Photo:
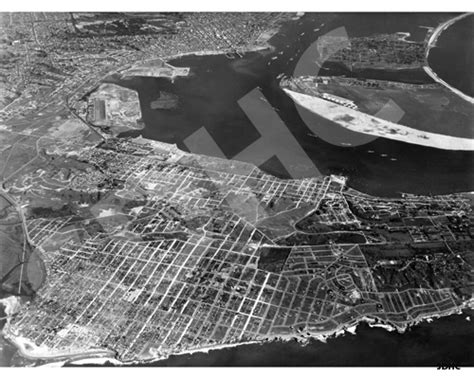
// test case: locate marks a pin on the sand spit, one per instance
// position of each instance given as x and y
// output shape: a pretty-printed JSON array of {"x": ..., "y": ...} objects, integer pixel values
[
  {"x": 432, "y": 43},
  {"x": 363, "y": 123}
]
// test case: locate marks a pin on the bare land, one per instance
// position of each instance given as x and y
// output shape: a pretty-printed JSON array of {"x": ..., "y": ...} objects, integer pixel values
[{"x": 364, "y": 123}]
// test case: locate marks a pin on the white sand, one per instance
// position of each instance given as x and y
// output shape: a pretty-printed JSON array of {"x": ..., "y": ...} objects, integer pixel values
[{"x": 367, "y": 124}]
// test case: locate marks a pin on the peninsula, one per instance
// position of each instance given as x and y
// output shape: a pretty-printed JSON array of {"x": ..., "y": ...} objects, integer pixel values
[
  {"x": 431, "y": 43},
  {"x": 155, "y": 275},
  {"x": 360, "y": 122}
]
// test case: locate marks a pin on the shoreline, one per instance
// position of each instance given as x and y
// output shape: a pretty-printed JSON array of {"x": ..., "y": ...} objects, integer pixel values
[
  {"x": 432, "y": 43},
  {"x": 9, "y": 336},
  {"x": 28, "y": 350},
  {"x": 113, "y": 130},
  {"x": 360, "y": 122},
  {"x": 102, "y": 356},
  {"x": 82, "y": 90},
  {"x": 340, "y": 331},
  {"x": 252, "y": 49}
]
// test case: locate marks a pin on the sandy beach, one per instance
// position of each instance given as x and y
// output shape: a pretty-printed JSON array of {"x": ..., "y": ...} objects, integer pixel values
[
  {"x": 363, "y": 123},
  {"x": 432, "y": 43}
]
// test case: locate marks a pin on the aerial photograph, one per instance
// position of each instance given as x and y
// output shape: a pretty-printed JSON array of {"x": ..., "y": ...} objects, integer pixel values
[{"x": 236, "y": 189}]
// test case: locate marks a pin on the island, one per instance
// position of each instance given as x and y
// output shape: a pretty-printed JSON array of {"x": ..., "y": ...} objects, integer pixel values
[
  {"x": 380, "y": 51},
  {"x": 165, "y": 100}
]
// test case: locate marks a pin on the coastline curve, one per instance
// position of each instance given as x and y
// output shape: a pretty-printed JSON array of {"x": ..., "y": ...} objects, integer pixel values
[{"x": 432, "y": 43}]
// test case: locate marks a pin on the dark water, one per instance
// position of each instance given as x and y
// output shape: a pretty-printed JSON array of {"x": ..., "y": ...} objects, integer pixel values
[
  {"x": 209, "y": 98},
  {"x": 455, "y": 46},
  {"x": 445, "y": 340}
]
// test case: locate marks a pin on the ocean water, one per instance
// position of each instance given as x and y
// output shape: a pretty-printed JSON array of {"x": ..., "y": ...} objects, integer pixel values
[
  {"x": 447, "y": 340},
  {"x": 453, "y": 57}
]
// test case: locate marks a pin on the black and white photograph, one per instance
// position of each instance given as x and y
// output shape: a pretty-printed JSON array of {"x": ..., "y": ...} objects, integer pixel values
[{"x": 186, "y": 186}]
